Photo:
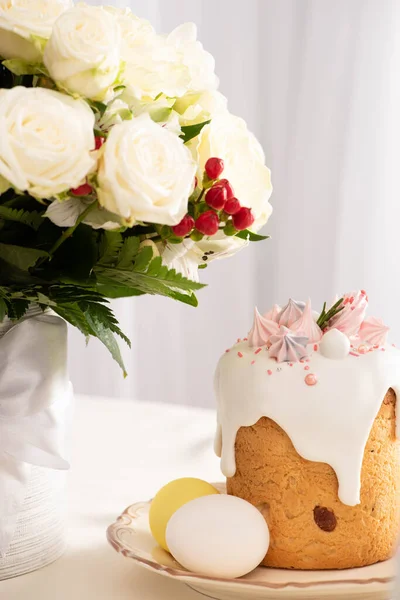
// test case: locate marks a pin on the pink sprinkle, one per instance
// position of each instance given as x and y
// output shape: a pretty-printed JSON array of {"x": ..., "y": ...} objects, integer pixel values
[
  {"x": 302, "y": 360},
  {"x": 307, "y": 360},
  {"x": 354, "y": 354},
  {"x": 307, "y": 368},
  {"x": 228, "y": 350},
  {"x": 394, "y": 345},
  {"x": 310, "y": 379},
  {"x": 376, "y": 346},
  {"x": 240, "y": 355},
  {"x": 315, "y": 347},
  {"x": 245, "y": 339},
  {"x": 252, "y": 362},
  {"x": 362, "y": 349},
  {"x": 239, "y": 340},
  {"x": 383, "y": 349},
  {"x": 257, "y": 351},
  {"x": 269, "y": 372},
  {"x": 290, "y": 364}
]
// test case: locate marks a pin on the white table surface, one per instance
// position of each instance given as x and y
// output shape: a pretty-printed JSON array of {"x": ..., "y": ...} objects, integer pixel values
[{"x": 123, "y": 452}]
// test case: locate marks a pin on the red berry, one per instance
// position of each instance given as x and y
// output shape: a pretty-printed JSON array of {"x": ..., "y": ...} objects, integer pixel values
[
  {"x": 232, "y": 206},
  {"x": 207, "y": 223},
  {"x": 99, "y": 141},
  {"x": 83, "y": 190},
  {"x": 216, "y": 197},
  {"x": 243, "y": 219},
  {"x": 229, "y": 189},
  {"x": 214, "y": 167},
  {"x": 184, "y": 227}
]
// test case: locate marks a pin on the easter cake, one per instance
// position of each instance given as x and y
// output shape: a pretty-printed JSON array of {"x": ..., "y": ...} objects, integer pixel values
[{"x": 307, "y": 433}]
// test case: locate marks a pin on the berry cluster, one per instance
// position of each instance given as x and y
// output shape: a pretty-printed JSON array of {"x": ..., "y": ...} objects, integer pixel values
[{"x": 219, "y": 209}]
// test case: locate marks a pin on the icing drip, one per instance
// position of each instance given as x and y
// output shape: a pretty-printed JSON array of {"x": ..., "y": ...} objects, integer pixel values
[
  {"x": 328, "y": 422},
  {"x": 262, "y": 330},
  {"x": 290, "y": 313},
  {"x": 306, "y": 324},
  {"x": 373, "y": 331},
  {"x": 349, "y": 319},
  {"x": 287, "y": 346}
]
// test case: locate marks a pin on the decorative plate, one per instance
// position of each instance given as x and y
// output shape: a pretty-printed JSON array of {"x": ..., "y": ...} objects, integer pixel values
[{"x": 130, "y": 535}]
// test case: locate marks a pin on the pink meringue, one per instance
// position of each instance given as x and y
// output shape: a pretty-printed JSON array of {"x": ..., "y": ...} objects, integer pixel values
[
  {"x": 287, "y": 346},
  {"x": 273, "y": 314},
  {"x": 290, "y": 313},
  {"x": 349, "y": 319},
  {"x": 373, "y": 331},
  {"x": 307, "y": 325},
  {"x": 262, "y": 330}
]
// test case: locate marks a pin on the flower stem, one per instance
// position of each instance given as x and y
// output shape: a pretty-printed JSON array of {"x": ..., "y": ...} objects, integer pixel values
[{"x": 68, "y": 232}]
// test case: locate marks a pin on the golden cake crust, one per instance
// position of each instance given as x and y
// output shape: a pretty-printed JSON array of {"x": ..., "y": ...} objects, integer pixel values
[{"x": 310, "y": 528}]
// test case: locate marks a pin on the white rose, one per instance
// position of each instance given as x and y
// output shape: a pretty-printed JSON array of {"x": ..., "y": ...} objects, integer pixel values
[
  {"x": 83, "y": 52},
  {"x": 46, "y": 139},
  {"x": 227, "y": 137},
  {"x": 201, "y": 64},
  {"x": 22, "y": 19},
  {"x": 152, "y": 66},
  {"x": 146, "y": 173},
  {"x": 134, "y": 31}
]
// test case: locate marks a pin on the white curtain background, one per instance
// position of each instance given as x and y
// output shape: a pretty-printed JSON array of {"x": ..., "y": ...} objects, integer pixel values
[{"x": 319, "y": 83}]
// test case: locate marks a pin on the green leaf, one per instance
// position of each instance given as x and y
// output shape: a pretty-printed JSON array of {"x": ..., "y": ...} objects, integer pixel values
[
  {"x": 246, "y": 234},
  {"x": 17, "y": 309},
  {"x": 191, "y": 131},
  {"x": 31, "y": 219},
  {"x": 128, "y": 252},
  {"x": 93, "y": 318},
  {"x": 74, "y": 315},
  {"x": 21, "y": 257},
  {"x": 21, "y": 67},
  {"x": 3, "y": 309},
  {"x": 104, "y": 334},
  {"x": 143, "y": 259},
  {"x": 110, "y": 247},
  {"x": 99, "y": 107},
  {"x": 113, "y": 290}
]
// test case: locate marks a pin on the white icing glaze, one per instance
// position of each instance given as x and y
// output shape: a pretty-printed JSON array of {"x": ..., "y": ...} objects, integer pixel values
[{"x": 328, "y": 422}]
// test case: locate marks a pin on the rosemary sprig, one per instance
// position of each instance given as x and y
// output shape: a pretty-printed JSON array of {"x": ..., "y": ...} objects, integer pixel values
[{"x": 325, "y": 317}]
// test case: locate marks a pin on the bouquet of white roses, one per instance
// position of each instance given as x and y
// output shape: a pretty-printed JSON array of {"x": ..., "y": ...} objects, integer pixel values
[{"x": 121, "y": 170}]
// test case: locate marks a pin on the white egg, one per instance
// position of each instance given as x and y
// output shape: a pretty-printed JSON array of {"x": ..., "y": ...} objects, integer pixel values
[
  {"x": 218, "y": 536},
  {"x": 334, "y": 344}
]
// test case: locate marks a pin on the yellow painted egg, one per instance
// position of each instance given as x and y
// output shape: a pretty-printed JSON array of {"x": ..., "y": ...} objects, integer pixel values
[{"x": 170, "y": 498}]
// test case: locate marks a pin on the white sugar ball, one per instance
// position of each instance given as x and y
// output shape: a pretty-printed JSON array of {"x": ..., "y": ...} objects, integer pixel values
[
  {"x": 218, "y": 536},
  {"x": 334, "y": 344}
]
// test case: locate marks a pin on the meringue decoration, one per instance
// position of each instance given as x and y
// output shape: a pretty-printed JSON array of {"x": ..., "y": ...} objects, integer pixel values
[
  {"x": 373, "y": 331},
  {"x": 350, "y": 318},
  {"x": 287, "y": 346},
  {"x": 334, "y": 344},
  {"x": 306, "y": 324},
  {"x": 290, "y": 313},
  {"x": 273, "y": 314},
  {"x": 262, "y": 330}
]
